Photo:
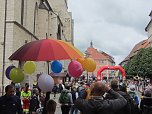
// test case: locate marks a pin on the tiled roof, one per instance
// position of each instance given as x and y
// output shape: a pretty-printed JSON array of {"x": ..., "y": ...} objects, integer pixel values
[
  {"x": 95, "y": 54},
  {"x": 137, "y": 47}
]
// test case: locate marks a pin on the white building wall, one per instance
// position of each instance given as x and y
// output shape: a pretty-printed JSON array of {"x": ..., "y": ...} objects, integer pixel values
[
  {"x": 17, "y": 10},
  {"x": 10, "y": 10}
]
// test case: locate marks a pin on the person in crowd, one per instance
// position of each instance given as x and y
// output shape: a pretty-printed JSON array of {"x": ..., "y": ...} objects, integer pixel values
[
  {"x": 25, "y": 96},
  {"x": 51, "y": 107},
  {"x": 115, "y": 86},
  {"x": 134, "y": 100},
  {"x": 42, "y": 99},
  {"x": 81, "y": 88},
  {"x": 34, "y": 101},
  {"x": 65, "y": 100},
  {"x": 74, "y": 97},
  {"x": 122, "y": 90},
  {"x": 10, "y": 103},
  {"x": 18, "y": 90},
  {"x": 61, "y": 87},
  {"x": 55, "y": 90},
  {"x": 47, "y": 97},
  {"x": 96, "y": 104},
  {"x": 146, "y": 102}
]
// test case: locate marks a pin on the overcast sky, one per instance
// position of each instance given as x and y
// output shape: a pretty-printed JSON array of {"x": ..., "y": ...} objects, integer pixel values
[{"x": 114, "y": 26}]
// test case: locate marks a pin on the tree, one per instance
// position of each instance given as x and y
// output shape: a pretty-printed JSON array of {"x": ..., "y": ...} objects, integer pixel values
[
  {"x": 145, "y": 63},
  {"x": 140, "y": 64}
]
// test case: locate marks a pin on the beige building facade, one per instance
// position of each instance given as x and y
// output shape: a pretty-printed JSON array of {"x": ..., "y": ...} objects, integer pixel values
[
  {"x": 148, "y": 29},
  {"x": 23, "y": 21}
]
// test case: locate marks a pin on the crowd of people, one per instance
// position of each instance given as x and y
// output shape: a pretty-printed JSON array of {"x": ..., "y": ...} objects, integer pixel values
[{"x": 95, "y": 97}]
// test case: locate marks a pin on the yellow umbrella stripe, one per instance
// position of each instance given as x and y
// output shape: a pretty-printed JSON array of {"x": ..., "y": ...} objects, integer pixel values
[{"x": 70, "y": 45}]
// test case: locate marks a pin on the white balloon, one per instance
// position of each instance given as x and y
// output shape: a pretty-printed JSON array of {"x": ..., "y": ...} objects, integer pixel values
[{"x": 45, "y": 82}]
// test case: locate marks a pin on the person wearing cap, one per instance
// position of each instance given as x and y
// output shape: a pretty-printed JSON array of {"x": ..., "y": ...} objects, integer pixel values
[{"x": 97, "y": 104}]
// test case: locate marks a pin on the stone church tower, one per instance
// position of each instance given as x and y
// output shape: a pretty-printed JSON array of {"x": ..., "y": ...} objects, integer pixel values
[{"x": 23, "y": 21}]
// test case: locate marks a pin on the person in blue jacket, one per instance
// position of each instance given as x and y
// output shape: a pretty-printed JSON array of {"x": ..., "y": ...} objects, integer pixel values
[{"x": 10, "y": 103}]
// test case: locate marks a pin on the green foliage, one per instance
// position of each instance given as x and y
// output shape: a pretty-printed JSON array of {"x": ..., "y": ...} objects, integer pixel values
[{"x": 140, "y": 64}]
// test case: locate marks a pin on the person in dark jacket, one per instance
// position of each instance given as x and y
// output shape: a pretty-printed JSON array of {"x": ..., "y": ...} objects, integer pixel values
[
  {"x": 55, "y": 90},
  {"x": 122, "y": 90},
  {"x": 34, "y": 101},
  {"x": 97, "y": 105},
  {"x": 10, "y": 103},
  {"x": 146, "y": 102}
]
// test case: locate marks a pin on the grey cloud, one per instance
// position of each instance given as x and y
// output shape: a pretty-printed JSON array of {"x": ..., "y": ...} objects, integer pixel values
[{"x": 114, "y": 26}]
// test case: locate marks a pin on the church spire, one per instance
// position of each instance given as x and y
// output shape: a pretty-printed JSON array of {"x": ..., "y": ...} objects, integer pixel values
[{"x": 91, "y": 44}]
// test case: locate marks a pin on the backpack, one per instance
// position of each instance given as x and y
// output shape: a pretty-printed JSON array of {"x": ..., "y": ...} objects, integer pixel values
[
  {"x": 134, "y": 103},
  {"x": 64, "y": 97},
  {"x": 133, "y": 98},
  {"x": 80, "y": 90}
]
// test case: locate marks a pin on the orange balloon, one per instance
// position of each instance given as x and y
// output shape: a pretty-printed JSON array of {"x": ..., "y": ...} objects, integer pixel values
[{"x": 89, "y": 65}]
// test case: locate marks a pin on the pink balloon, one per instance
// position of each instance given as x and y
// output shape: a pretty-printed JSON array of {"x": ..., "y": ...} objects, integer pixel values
[{"x": 75, "y": 69}]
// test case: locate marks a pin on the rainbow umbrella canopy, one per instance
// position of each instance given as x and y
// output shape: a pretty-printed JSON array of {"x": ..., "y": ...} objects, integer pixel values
[{"x": 46, "y": 50}]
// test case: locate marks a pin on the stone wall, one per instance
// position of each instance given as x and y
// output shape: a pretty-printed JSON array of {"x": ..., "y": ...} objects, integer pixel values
[{"x": 38, "y": 23}]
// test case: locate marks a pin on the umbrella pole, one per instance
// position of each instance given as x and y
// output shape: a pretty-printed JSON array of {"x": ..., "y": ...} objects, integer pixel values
[{"x": 48, "y": 67}]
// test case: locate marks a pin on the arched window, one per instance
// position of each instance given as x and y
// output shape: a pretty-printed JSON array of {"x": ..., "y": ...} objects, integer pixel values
[{"x": 59, "y": 32}]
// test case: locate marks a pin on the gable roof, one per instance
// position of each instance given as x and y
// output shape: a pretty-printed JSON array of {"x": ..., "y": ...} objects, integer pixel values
[
  {"x": 137, "y": 47},
  {"x": 98, "y": 55}
]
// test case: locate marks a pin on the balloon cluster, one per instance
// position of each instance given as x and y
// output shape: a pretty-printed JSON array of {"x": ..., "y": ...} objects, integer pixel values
[
  {"x": 76, "y": 68},
  {"x": 14, "y": 74},
  {"x": 17, "y": 74},
  {"x": 46, "y": 82}
]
